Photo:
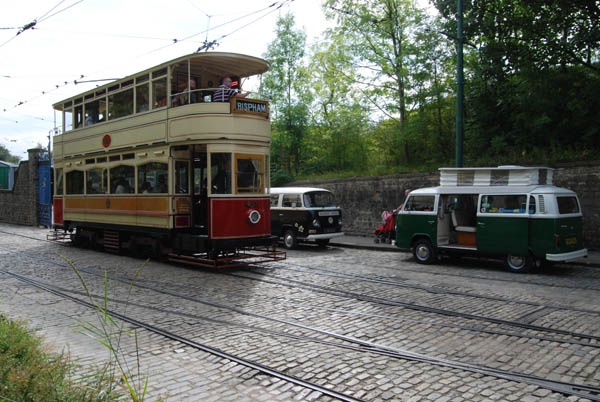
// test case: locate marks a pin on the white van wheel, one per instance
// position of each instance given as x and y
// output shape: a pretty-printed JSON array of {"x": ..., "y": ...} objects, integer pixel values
[
  {"x": 289, "y": 240},
  {"x": 424, "y": 252},
  {"x": 517, "y": 263}
]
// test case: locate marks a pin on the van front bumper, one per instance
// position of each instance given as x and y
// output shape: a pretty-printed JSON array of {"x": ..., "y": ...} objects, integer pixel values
[
  {"x": 324, "y": 236},
  {"x": 567, "y": 256}
]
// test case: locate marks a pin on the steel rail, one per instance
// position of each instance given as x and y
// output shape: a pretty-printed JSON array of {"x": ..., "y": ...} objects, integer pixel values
[
  {"x": 589, "y": 392},
  {"x": 208, "y": 349}
]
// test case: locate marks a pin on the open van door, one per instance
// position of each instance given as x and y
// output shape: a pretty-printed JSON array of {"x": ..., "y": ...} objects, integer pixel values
[{"x": 503, "y": 228}]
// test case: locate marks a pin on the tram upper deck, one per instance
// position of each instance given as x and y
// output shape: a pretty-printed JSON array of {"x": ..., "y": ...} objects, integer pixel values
[{"x": 167, "y": 104}]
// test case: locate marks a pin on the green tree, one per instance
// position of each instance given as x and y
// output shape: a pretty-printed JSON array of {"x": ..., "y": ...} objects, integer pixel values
[
  {"x": 337, "y": 139},
  {"x": 533, "y": 68},
  {"x": 6, "y": 156},
  {"x": 286, "y": 85}
]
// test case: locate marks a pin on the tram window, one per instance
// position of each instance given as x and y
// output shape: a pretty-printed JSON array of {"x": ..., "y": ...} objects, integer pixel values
[
  {"x": 274, "y": 200},
  {"x": 267, "y": 175},
  {"x": 74, "y": 182},
  {"x": 141, "y": 99},
  {"x": 249, "y": 173},
  {"x": 128, "y": 156},
  {"x": 59, "y": 181},
  {"x": 95, "y": 112},
  {"x": 68, "y": 119},
  {"x": 122, "y": 180},
  {"x": 181, "y": 177},
  {"x": 220, "y": 171},
  {"x": 503, "y": 204},
  {"x": 153, "y": 178},
  {"x": 78, "y": 116},
  {"x": 120, "y": 104},
  {"x": 96, "y": 181},
  {"x": 159, "y": 93}
]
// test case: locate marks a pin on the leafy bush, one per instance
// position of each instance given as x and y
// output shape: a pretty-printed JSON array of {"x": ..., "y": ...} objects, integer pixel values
[{"x": 28, "y": 372}]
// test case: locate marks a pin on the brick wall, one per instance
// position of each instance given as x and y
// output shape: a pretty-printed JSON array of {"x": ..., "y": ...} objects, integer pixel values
[
  {"x": 363, "y": 199},
  {"x": 19, "y": 205}
]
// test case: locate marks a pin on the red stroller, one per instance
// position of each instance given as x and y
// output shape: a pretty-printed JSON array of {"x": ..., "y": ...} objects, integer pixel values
[{"x": 386, "y": 232}]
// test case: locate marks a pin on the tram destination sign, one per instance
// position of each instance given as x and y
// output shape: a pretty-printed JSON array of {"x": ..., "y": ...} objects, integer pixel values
[{"x": 251, "y": 106}]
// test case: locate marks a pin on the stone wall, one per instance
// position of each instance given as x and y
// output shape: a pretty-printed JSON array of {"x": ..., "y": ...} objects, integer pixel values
[
  {"x": 363, "y": 199},
  {"x": 19, "y": 205}
]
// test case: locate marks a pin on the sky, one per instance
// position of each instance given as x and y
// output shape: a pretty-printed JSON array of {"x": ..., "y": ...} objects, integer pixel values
[{"x": 86, "y": 40}]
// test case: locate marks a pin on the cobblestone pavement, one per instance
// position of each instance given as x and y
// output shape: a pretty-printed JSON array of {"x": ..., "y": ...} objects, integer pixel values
[{"x": 378, "y": 297}]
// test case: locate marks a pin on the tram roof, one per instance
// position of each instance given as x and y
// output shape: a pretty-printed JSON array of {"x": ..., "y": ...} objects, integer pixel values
[{"x": 217, "y": 63}]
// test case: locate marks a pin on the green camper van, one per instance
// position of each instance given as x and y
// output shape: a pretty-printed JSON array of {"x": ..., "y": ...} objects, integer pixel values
[{"x": 511, "y": 212}]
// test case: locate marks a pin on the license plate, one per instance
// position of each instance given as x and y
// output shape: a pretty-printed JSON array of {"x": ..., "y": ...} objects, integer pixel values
[{"x": 571, "y": 241}]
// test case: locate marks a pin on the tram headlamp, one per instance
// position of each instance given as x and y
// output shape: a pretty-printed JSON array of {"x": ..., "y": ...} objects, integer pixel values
[
  {"x": 330, "y": 220},
  {"x": 254, "y": 216},
  {"x": 316, "y": 223}
]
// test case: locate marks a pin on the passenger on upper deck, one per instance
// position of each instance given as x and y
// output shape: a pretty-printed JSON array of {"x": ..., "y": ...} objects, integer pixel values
[
  {"x": 225, "y": 92},
  {"x": 182, "y": 97}
]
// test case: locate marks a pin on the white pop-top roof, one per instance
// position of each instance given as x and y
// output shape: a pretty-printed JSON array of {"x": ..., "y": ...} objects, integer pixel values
[
  {"x": 492, "y": 190},
  {"x": 496, "y": 176},
  {"x": 295, "y": 190}
]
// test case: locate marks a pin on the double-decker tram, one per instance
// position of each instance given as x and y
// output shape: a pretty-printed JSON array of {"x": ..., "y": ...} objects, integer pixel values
[{"x": 157, "y": 162}]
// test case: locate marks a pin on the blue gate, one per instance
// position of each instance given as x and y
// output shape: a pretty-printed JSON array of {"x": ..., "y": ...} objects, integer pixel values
[{"x": 44, "y": 204}]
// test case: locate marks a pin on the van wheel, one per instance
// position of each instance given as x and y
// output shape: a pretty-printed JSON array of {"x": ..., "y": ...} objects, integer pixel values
[
  {"x": 518, "y": 263},
  {"x": 323, "y": 243},
  {"x": 289, "y": 240},
  {"x": 424, "y": 252}
]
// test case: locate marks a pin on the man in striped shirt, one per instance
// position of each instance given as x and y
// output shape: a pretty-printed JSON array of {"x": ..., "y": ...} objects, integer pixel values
[{"x": 225, "y": 91}]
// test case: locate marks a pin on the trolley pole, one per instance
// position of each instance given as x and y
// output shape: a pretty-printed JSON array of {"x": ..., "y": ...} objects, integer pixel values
[{"x": 459, "y": 86}]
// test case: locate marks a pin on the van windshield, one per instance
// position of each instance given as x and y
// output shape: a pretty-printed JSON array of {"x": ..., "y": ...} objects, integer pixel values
[{"x": 317, "y": 199}]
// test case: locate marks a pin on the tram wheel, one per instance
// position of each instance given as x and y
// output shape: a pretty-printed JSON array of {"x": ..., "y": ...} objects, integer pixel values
[
  {"x": 289, "y": 240},
  {"x": 424, "y": 252},
  {"x": 518, "y": 263}
]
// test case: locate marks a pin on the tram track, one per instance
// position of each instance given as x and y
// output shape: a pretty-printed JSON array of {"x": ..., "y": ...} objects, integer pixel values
[
  {"x": 451, "y": 313},
  {"x": 413, "y": 306},
  {"x": 429, "y": 289},
  {"x": 332, "y": 291},
  {"x": 95, "y": 270},
  {"x": 567, "y": 388}
]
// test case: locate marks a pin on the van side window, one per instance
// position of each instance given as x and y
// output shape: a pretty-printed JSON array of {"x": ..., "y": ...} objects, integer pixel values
[
  {"x": 420, "y": 203},
  {"x": 274, "y": 200},
  {"x": 532, "y": 206},
  {"x": 567, "y": 205},
  {"x": 503, "y": 204},
  {"x": 291, "y": 201}
]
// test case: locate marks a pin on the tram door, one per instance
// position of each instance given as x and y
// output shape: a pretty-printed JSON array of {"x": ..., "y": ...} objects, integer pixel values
[{"x": 200, "y": 196}]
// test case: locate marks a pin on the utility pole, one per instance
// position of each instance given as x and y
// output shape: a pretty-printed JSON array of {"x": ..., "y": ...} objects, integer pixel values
[{"x": 459, "y": 86}]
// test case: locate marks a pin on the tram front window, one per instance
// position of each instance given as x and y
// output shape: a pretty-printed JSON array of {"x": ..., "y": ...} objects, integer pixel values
[
  {"x": 249, "y": 173},
  {"x": 220, "y": 173}
]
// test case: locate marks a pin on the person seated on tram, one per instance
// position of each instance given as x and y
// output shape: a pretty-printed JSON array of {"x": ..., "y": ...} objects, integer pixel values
[
  {"x": 225, "y": 91},
  {"x": 182, "y": 97},
  {"x": 161, "y": 187},
  {"x": 122, "y": 187}
]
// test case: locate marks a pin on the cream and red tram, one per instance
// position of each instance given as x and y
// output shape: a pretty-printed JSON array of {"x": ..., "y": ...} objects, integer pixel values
[{"x": 151, "y": 162}]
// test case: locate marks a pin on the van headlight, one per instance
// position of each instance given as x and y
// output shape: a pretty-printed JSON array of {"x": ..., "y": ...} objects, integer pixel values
[{"x": 316, "y": 223}]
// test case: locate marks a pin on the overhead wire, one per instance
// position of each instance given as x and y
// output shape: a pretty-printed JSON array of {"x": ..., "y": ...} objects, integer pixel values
[{"x": 271, "y": 8}]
